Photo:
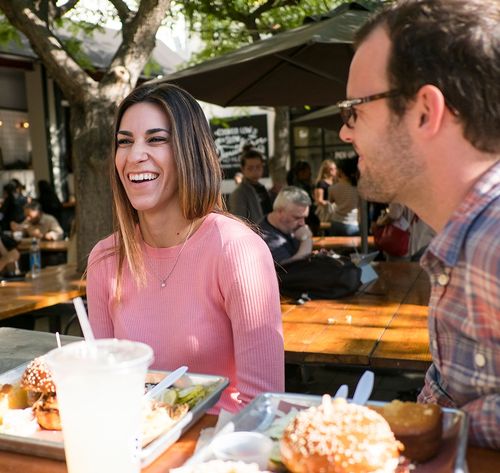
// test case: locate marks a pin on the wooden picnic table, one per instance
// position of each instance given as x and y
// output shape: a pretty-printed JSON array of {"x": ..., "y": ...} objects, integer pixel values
[
  {"x": 45, "y": 245},
  {"x": 372, "y": 327},
  {"x": 18, "y": 346},
  {"x": 54, "y": 284},
  {"x": 405, "y": 341}
]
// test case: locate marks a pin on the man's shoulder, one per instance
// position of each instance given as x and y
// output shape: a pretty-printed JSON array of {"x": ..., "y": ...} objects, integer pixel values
[
  {"x": 48, "y": 218},
  {"x": 242, "y": 191},
  {"x": 242, "y": 187},
  {"x": 267, "y": 228}
]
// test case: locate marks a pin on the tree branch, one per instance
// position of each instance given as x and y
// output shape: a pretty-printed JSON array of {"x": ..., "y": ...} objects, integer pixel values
[
  {"x": 272, "y": 4},
  {"x": 138, "y": 43},
  {"x": 63, "y": 9},
  {"x": 72, "y": 79},
  {"x": 124, "y": 12}
]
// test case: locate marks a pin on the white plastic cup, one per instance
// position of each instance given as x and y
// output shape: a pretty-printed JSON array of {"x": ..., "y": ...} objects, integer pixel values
[
  {"x": 100, "y": 389},
  {"x": 249, "y": 447}
]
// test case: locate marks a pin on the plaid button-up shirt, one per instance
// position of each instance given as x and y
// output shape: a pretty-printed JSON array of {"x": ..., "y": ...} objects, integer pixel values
[{"x": 463, "y": 263}]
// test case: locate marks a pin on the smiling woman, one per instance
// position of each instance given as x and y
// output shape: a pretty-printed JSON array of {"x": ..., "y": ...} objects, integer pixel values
[{"x": 179, "y": 273}]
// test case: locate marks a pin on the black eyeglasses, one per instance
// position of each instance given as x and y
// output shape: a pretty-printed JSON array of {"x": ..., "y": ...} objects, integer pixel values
[{"x": 348, "y": 112}]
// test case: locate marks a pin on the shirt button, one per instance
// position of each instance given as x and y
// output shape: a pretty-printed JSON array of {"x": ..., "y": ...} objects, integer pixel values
[
  {"x": 443, "y": 279},
  {"x": 480, "y": 360}
]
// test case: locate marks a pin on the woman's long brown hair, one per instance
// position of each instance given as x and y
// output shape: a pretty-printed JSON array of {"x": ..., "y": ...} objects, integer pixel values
[{"x": 198, "y": 171}]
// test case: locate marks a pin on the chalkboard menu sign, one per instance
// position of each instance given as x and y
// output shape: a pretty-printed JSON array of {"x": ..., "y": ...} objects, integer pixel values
[{"x": 231, "y": 134}]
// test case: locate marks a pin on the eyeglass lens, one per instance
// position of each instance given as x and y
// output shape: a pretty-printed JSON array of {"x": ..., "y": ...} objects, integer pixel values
[{"x": 348, "y": 115}]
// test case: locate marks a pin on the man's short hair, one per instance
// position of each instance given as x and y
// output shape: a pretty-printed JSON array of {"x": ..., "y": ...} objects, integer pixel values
[
  {"x": 250, "y": 153},
  {"x": 33, "y": 205},
  {"x": 454, "y": 45},
  {"x": 291, "y": 195}
]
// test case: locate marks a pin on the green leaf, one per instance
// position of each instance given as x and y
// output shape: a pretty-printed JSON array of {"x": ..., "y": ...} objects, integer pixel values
[{"x": 8, "y": 33}]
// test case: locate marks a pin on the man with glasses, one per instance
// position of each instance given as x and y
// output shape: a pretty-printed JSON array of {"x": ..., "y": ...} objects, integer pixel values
[{"x": 427, "y": 131}]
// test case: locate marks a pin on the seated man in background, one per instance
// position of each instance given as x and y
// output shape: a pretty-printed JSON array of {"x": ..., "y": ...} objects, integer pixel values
[
  {"x": 284, "y": 229},
  {"x": 251, "y": 199},
  {"x": 38, "y": 224}
]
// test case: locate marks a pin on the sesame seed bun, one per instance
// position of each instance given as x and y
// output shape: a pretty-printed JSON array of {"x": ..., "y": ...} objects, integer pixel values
[
  {"x": 37, "y": 378},
  {"x": 337, "y": 437}
]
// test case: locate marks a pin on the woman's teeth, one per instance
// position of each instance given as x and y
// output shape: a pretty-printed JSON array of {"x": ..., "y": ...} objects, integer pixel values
[{"x": 145, "y": 176}]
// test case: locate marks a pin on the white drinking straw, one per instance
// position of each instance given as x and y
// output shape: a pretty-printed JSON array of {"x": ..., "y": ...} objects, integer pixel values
[
  {"x": 83, "y": 319},
  {"x": 58, "y": 339}
]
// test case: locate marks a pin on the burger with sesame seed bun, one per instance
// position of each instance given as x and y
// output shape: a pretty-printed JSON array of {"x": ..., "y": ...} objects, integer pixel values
[
  {"x": 41, "y": 390},
  {"x": 337, "y": 437}
]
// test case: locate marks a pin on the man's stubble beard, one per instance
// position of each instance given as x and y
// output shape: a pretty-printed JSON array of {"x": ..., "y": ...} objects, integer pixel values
[{"x": 393, "y": 165}]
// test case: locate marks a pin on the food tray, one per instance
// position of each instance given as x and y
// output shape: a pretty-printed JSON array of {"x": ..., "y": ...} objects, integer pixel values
[
  {"x": 260, "y": 414},
  {"x": 49, "y": 444}
]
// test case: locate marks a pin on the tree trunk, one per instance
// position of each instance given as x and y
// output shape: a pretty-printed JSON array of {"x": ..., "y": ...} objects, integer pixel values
[
  {"x": 278, "y": 163},
  {"x": 92, "y": 132}
]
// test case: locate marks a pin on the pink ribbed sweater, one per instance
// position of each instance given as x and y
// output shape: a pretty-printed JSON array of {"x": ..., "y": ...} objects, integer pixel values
[{"x": 219, "y": 313}]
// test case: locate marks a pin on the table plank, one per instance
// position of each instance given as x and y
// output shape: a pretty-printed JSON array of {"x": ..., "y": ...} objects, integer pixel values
[
  {"x": 347, "y": 330},
  {"x": 405, "y": 342},
  {"x": 49, "y": 246},
  {"x": 338, "y": 242},
  {"x": 54, "y": 285}
]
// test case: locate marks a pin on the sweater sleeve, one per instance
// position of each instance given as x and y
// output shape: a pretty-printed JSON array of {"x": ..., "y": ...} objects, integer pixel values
[
  {"x": 98, "y": 292},
  {"x": 250, "y": 288}
]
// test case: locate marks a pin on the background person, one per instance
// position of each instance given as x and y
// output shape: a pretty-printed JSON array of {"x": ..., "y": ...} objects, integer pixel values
[
  {"x": 12, "y": 208},
  {"x": 345, "y": 199},
  {"x": 424, "y": 118},
  {"x": 327, "y": 175},
  {"x": 49, "y": 201},
  {"x": 301, "y": 176},
  {"x": 284, "y": 229},
  {"x": 250, "y": 199},
  {"x": 420, "y": 233},
  {"x": 195, "y": 284},
  {"x": 38, "y": 224}
]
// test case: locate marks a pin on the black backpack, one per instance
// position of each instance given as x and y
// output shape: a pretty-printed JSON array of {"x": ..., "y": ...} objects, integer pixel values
[{"x": 319, "y": 276}]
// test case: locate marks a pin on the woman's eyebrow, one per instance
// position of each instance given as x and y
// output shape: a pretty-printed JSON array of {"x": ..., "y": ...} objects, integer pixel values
[
  {"x": 148, "y": 132},
  {"x": 156, "y": 130}
]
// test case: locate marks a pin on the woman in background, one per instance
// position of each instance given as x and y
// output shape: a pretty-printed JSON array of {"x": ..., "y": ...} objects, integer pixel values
[
  {"x": 344, "y": 195},
  {"x": 327, "y": 175},
  {"x": 179, "y": 273}
]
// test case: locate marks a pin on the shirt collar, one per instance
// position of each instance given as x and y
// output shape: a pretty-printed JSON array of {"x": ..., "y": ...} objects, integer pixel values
[{"x": 447, "y": 244}]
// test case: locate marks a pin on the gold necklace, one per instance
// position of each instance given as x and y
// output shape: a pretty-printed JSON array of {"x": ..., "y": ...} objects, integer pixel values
[{"x": 163, "y": 281}]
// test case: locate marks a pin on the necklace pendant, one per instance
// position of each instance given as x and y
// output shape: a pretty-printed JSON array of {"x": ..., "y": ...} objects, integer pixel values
[{"x": 163, "y": 283}]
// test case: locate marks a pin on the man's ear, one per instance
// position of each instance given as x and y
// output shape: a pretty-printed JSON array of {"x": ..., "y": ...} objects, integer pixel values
[{"x": 430, "y": 109}]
